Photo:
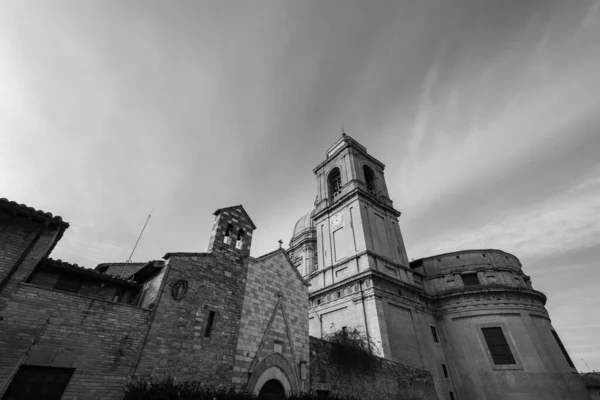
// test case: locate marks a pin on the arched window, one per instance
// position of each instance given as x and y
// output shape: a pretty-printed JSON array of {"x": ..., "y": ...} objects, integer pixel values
[
  {"x": 227, "y": 238},
  {"x": 335, "y": 184},
  {"x": 369, "y": 179},
  {"x": 240, "y": 235}
]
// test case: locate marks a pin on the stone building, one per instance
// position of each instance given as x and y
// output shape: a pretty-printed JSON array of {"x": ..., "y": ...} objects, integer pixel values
[
  {"x": 464, "y": 325},
  {"x": 471, "y": 318},
  {"x": 221, "y": 317}
]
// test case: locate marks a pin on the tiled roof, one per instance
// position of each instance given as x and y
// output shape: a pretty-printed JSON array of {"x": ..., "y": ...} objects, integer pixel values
[
  {"x": 49, "y": 262},
  {"x": 183, "y": 254},
  {"x": 31, "y": 212}
]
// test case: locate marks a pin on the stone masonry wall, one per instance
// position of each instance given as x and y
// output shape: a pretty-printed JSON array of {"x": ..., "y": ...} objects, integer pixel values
[
  {"x": 100, "y": 339},
  {"x": 386, "y": 381},
  {"x": 275, "y": 310},
  {"x": 15, "y": 236},
  {"x": 177, "y": 344}
]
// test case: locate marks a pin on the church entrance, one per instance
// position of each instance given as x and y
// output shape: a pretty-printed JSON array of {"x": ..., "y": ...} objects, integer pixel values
[{"x": 272, "y": 390}]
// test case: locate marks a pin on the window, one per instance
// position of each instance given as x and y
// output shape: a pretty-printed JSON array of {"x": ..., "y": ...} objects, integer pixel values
[
  {"x": 68, "y": 283},
  {"x": 445, "y": 370},
  {"x": 452, "y": 396},
  {"x": 470, "y": 279},
  {"x": 562, "y": 348},
  {"x": 318, "y": 301},
  {"x": 278, "y": 346},
  {"x": 33, "y": 382},
  {"x": 339, "y": 294},
  {"x": 209, "y": 323},
  {"x": 434, "y": 334},
  {"x": 496, "y": 342},
  {"x": 335, "y": 184},
  {"x": 399, "y": 292},
  {"x": 369, "y": 179},
  {"x": 240, "y": 235},
  {"x": 227, "y": 238}
]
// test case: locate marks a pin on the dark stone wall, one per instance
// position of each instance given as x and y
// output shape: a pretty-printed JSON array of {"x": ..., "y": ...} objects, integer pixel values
[{"x": 382, "y": 381}]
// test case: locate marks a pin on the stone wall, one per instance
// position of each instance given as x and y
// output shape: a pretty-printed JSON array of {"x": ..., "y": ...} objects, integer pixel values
[
  {"x": 180, "y": 342},
  {"x": 385, "y": 380},
  {"x": 100, "y": 339},
  {"x": 18, "y": 238},
  {"x": 274, "y": 320}
]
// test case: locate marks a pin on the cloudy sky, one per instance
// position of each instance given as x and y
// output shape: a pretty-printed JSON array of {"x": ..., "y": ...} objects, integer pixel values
[{"x": 486, "y": 114}]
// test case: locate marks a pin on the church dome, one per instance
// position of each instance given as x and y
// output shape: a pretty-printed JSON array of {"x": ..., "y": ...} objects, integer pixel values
[{"x": 303, "y": 223}]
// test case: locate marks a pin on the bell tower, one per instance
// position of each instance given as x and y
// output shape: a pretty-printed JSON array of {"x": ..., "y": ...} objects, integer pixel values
[
  {"x": 356, "y": 222},
  {"x": 361, "y": 277}
]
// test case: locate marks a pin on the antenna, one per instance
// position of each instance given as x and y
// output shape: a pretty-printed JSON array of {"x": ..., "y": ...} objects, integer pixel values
[
  {"x": 136, "y": 243},
  {"x": 588, "y": 367}
]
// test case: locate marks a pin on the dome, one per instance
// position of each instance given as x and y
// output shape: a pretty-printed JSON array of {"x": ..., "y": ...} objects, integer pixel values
[{"x": 303, "y": 223}]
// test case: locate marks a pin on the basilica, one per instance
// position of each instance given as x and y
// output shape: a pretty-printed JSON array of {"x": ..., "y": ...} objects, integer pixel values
[{"x": 465, "y": 325}]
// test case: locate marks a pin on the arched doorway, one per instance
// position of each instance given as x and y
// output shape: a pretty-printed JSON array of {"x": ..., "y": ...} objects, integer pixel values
[{"x": 272, "y": 390}]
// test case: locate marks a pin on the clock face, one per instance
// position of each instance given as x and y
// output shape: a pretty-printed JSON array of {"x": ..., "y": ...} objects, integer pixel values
[{"x": 336, "y": 220}]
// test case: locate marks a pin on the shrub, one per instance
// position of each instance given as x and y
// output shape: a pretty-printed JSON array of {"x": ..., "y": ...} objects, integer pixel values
[
  {"x": 168, "y": 389},
  {"x": 352, "y": 349}
]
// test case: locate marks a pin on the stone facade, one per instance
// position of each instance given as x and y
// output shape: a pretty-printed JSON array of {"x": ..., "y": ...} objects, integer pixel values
[{"x": 274, "y": 321}]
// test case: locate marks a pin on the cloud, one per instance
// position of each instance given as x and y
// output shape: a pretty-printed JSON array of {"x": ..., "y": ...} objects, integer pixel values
[
  {"x": 558, "y": 225},
  {"x": 591, "y": 17},
  {"x": 423, "y": 116}
]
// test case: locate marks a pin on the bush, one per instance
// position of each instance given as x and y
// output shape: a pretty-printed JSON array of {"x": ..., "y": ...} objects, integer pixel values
[
  {"x": 168, "y": 389},
  {"x": 352, "y": 349}
]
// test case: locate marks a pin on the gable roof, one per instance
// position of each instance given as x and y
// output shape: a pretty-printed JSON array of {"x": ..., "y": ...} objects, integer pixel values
[
  {"x": 287, "y": 257},
  {"x": 220, "y": 210}
]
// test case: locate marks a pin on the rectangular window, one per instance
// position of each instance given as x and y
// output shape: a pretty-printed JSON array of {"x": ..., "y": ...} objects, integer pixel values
[
  {"x": 434, "y": 334},
  {"x": 33, "y": 382},
  {"x": 562, "y": 348},
  {"x": 209, "y": 323},
  {"x": 498, "y": 346},
  {"x": 470, "y": 279},
  {"x": 452, "y": 396},
  {"x": 445, "y": 370},
  {"x": 68, "y": 283},
  {"x": 278, "y": 346}
]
